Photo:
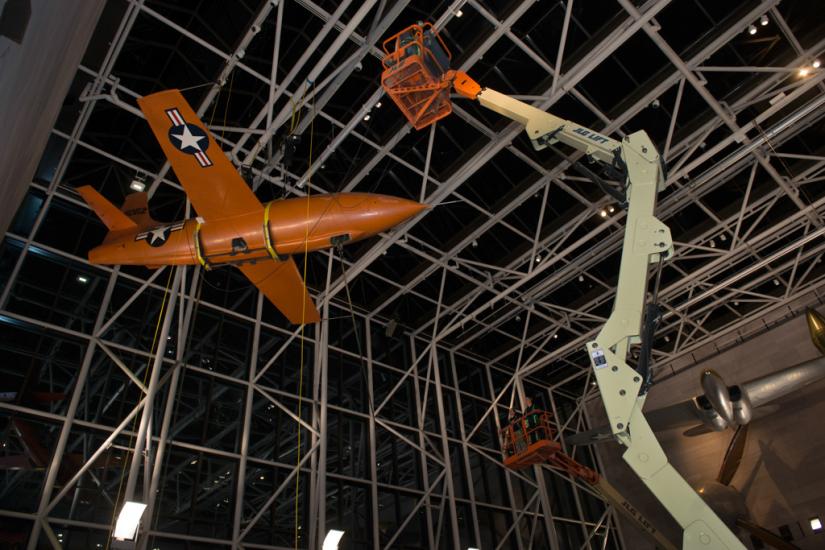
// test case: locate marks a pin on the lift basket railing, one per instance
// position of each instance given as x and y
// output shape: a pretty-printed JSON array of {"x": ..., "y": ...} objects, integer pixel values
[
  {"x": 417, "y": 74},
  {"x": 529, "y": 440}
]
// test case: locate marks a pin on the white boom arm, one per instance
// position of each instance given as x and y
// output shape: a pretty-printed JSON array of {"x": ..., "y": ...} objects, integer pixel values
[{"x": 646, "y": 241}]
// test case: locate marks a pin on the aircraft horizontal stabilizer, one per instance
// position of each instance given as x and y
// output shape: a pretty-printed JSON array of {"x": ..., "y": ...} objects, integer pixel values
[{"x": 108, "y": 213}]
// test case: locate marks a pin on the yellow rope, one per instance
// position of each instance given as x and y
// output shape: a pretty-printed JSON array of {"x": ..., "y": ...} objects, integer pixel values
[
  {"x": 158, "y": 323},
  {"x": 134, "y": 421},
  {"x": 296, "y": 110},
  {"x": 226, "y": 108},
  {"x": 303, "y": 318}
]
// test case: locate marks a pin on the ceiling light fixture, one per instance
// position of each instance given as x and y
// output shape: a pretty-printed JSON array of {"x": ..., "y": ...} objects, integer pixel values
[
  {"x": 816, "y": 524},
  {"x": 816, "y": 64},
  {"x": 751, "y": 29},
  {"x": 128, "y": 520},
  {"x": 82, "y": 279},
  {"x": 378, "y": 105},
  {"x": 603, "y": 213},
  {"x": 332, "y": 539},
  {"x": 763, "y": 20},
  {"x": 804, "y": 71},
  {"x": 366, "y": 117},
  {"x": 459, "y": 13},
  {"x": 137, "y": 185}
]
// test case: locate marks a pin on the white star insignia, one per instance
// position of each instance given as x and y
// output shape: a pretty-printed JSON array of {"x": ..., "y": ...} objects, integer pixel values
[
  {"x": 155, "y": 234},
  {"x": 187, "y": 139}
]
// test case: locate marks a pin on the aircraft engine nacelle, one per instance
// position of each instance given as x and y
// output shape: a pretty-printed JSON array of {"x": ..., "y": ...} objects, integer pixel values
[
  {"x": 708, "y": 415},
  {"x": 722, "y": 406},
  {"x": 742, "y": 408}
]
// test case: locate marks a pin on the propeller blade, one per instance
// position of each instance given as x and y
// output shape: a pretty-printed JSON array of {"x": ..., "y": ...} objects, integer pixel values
[
  {"x": 733, "y": 456},
  {"x": 768, "y": 537}
]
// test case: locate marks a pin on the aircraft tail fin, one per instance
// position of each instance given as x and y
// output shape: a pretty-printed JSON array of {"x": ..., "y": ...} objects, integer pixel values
[
  {"x": 108, "y": 213},
  {"x": 136, "y": 206}
]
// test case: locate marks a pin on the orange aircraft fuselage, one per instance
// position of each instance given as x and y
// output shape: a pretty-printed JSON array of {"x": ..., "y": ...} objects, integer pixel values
[
  {"x": 233, "y": 227},
  {"x": 276, "y": 230}
]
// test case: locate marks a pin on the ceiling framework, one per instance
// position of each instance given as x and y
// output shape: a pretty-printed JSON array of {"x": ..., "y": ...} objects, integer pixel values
[{"x": 386, "y": 414}]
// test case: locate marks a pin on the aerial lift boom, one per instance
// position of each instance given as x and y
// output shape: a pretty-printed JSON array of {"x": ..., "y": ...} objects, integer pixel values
[
  {"x": 532, "y": 440},
  {"x": 416, "y": 77}
]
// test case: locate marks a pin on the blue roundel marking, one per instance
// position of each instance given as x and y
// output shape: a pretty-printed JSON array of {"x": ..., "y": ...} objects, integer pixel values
[{"x": 189, "y": 138}]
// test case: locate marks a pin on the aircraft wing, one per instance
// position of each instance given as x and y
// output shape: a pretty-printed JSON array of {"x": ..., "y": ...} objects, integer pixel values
[
  {"x": 762, "y": 391},
  {"x": 282, "y": 284},
  {"x": 210, "y": 180}
]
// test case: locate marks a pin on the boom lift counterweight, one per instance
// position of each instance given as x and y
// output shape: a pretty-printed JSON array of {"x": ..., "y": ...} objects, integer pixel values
[{"x": 421, "y": 90}]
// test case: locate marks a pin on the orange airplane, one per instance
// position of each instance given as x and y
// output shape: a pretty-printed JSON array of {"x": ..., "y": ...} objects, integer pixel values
[{"x": 232, "y": 226}]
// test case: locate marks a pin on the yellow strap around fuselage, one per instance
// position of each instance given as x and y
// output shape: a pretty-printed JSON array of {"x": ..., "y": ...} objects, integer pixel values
[
  {"x": 267, "y": 237},
  {"x": 198, "y": 253}
]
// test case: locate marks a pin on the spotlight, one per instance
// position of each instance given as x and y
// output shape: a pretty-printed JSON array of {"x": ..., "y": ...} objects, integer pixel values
[
  {"x": 611, "y": 209},
  {"x": 763, "y": 20},
  {"x": 816, "y": 525},
  {"x": 804, "y": 71},
  {"x": 366, "y": 117},
  {"x": 816, "y": 64},
  {"x": 128, "y": 520},
  {"x": 581, "y": 278},
  {"x": 538, "y": 258},
  {"x": 459, "y": 13},
  {"x": 751, "y": 29},
  {"x": 378, "y": 104},
  {"x": 332, "y": 539},
  {"x": 137, "y": 185},
  {"x": 82, "y": 279},
  {"x": 603, "y": 213}
]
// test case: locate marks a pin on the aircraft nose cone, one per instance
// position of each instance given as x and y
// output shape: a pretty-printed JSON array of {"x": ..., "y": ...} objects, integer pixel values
[
  {"x": 393, "y": 210},
  {"x": 717, "y": 393},
  {"x": 816, "y": 326}
]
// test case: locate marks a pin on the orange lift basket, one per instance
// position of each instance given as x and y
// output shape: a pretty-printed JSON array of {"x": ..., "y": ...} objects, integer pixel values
[
  {"x": 417, "y": 74},
  {"x": 529, "y": 440}
]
